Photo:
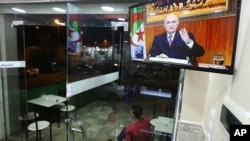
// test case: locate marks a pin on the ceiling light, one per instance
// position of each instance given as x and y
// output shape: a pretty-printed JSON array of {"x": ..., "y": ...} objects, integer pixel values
[
  {"x": 19, "y": 10},
  {"x": 58, "y": 9},
  {"x": 58, "y": 22},
  {"x": 121, "y": 19},
  {"x": 107, "y": 8}
]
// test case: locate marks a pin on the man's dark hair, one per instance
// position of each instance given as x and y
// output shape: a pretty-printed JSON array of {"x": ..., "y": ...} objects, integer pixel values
[{"x": 137, "y": 111}]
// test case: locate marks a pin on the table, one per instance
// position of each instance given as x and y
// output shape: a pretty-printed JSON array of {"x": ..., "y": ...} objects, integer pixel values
[
  {"x": 163, "y": 124},
  {"x": 158, "y": 93},
  {"x": 47, "y": 100}
]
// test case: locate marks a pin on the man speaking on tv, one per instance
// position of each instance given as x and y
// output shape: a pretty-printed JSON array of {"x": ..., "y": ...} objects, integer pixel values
[{"x": 178, "y": 44}]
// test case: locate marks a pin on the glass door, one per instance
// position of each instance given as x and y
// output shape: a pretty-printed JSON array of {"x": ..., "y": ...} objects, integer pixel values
[{"x": 12, "y": 65}]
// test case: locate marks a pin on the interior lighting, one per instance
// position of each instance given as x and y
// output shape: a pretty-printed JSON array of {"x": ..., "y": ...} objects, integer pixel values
[
  {"x": 59, "y": 9},
  {"x": 121, "y": 19},
  {"x": 58, "y": 22},
  {"x": 107, "y": 8},
  {"x": 19, "y": 10}
]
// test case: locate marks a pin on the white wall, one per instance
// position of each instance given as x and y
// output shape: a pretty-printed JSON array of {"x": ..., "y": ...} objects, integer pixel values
[
  {"x": 194, "y": 93},
  {"x": 204, "y": 92}
]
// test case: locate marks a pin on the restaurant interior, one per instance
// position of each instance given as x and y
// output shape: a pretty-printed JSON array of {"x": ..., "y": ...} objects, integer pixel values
[
  {"x": 71, "y": 90},
  {"x": 69, "y": 75}
]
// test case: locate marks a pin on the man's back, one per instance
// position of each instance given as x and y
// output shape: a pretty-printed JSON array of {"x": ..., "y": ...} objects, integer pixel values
[{"x": 137, "y": 129}]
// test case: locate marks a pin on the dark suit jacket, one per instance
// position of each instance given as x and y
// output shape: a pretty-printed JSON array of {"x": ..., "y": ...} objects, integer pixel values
[{"x": 178, "y": 48}]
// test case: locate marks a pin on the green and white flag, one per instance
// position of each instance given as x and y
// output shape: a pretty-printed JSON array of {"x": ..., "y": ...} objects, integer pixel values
[{"x": 137, "y": 36}]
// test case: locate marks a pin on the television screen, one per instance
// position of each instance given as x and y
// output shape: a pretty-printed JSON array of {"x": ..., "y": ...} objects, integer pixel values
[
  {"x": 189, "y": 34},
  {"x": 227, "y": 118}
]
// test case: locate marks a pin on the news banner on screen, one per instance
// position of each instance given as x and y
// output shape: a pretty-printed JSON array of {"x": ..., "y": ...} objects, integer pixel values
[{"x": 239, "y": 132}]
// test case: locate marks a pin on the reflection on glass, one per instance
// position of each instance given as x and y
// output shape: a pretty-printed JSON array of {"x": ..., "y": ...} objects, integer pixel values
[{"x": 99, "y": 53}]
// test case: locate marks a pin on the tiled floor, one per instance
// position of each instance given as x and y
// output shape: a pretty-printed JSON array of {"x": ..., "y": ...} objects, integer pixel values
[{"x": 102, "y": 119}]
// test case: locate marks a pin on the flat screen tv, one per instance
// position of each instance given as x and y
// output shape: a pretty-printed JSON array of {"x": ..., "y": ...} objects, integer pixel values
[{"x": 211, "y": 25}]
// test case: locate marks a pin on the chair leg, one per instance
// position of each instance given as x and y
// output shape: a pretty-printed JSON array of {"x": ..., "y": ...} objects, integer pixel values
[
  {"x": 37, "y": 134},
  {"x": 40, "y": 134},
  {"x": 26, "y": 134},
  {"x": 75, "y": 115},
  {"x": 153, "y": 137},
  {"x": 58, "y": 118},
  {"x": 50, "y": 132}
]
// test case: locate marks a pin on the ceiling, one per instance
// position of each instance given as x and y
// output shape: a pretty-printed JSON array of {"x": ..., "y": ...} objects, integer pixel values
[
  {"x": 40, "y": 11},
  {"x": 86, "y": 6}
]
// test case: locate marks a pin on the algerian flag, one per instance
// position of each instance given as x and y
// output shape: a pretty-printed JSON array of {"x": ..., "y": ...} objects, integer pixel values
[
  {"x": 74, "y": 36},
  {"x": 137, "y": 35}
]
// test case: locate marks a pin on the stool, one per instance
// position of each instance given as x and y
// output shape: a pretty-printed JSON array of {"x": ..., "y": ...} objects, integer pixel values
[
  {"x": 67, "y": 109},
  {"x": 38, "y": 126},
  {"x": 29, "y": 116}
]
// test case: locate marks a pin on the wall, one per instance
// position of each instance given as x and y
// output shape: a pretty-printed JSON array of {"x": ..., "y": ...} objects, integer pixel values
[{"x": 205, "y": 92}]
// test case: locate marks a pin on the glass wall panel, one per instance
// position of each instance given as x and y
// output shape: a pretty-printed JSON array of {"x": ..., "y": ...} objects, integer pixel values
[
  {"x": 93, "y": 51},
  {"x": 12, "y": 66}
]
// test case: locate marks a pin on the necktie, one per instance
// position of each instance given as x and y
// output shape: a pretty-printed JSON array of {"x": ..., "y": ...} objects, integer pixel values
[{"x": 170, "y": 40}]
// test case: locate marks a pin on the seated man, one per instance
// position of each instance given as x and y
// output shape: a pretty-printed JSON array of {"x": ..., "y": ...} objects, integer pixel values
[{"x": 138, "y": 127}]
